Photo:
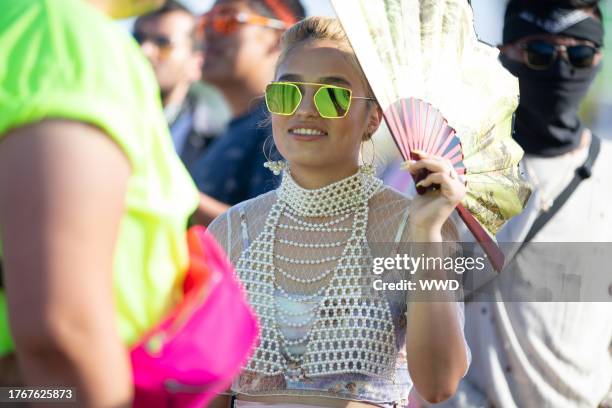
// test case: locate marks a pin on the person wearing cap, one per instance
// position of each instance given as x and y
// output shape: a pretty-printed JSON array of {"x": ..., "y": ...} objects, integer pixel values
[
  {"x": 529, "y": 351},
  {"x": 241, "y": 49}
]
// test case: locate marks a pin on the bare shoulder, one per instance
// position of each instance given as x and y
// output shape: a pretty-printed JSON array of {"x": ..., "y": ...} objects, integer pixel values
[
  {"x": 63, "y": 185},
  {"x": 66, "y": 154},
  {"x": 57, "y": 131}
]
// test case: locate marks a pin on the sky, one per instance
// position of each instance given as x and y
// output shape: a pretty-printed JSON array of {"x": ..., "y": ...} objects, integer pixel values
[
  {"x": 488, "y": 14},
  {"x": 313, "y": 7}
]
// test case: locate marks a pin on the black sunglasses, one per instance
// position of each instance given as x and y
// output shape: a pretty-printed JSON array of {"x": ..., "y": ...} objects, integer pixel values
[
  {"x": 540, "y": 54},
  {"x": 160, "y": 41}
]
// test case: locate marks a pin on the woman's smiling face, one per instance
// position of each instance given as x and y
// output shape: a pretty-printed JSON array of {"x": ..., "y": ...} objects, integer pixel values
[{"x": 305, "y": 139}]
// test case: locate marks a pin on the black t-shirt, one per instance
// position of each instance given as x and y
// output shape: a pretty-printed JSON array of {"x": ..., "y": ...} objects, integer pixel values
[{"x": 231, "y": 170}]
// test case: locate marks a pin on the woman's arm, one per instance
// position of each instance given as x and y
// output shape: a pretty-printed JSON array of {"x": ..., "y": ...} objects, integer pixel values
[
  {"x": 63, "y": 189},
  {"x": 435, "y": 343}
]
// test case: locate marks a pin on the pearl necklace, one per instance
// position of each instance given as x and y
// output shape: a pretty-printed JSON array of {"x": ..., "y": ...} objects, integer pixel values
[
  {"x": 342, "y": 300},
  {"x": 337, "y": 198},
  {"x": 295, "y": 219}
]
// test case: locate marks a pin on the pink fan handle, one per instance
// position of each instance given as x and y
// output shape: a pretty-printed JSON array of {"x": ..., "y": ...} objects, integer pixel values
[{"x": 495, "y": 255}]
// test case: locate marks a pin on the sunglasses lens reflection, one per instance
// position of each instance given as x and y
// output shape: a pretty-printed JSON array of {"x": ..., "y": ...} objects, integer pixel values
[
  {"x": 581, "y": 56},
  {"x": 332, "y": 102},
  {"x": 283, "y": 99},
  {"x": 540, "y": 54}
]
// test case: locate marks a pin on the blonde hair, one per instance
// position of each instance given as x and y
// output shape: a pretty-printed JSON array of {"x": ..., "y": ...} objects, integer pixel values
[{"x": 320, "y": 29}]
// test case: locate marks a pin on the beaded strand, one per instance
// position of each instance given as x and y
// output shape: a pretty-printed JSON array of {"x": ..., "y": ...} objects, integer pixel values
[{"x": 336, "y": 322}]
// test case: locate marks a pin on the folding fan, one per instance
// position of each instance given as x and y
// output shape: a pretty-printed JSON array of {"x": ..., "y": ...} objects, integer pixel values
[{"x": 444, "y": 92}]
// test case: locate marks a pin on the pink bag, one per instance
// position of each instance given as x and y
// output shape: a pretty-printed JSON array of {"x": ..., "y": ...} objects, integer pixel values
[{"x": 197, "y": 350}]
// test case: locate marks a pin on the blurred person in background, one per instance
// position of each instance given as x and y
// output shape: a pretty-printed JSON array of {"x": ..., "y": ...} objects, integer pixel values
[
  {"x": 599, "y": 102},
  {"x": 242, "y": 46},
  {"x": 169, "y": 40},
  {"x": 532, "y": 353},
  {"x": 95, "y": 201}
]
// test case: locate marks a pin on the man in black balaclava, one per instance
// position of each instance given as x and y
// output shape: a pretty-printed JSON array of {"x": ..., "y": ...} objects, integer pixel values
[
  {"x": 556, "y": 53},
  {"x": 530, "y": 351}
]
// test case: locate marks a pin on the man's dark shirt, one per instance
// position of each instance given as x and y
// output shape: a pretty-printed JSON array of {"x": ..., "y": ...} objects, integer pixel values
[{"x": 231, "y": 170}]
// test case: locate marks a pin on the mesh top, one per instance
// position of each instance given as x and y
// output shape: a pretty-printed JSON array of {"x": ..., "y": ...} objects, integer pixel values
[{"x": 323, "y": 332}]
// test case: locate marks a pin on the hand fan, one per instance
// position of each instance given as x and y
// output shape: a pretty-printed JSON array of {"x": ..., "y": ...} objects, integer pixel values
[{"x": 444, "y": 92}]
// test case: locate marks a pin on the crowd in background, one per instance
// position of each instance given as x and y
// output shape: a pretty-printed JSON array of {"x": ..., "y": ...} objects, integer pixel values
[
  {"x": 212, "y": 70},
  {"x": 488, "y": 16}
]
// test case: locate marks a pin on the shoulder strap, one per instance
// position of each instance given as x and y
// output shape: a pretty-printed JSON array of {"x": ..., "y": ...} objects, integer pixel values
[{"x": 583, "y": 172}]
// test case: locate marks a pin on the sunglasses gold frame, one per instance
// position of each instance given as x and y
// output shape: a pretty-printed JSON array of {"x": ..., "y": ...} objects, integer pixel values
[{"x": 321, "y": 86}]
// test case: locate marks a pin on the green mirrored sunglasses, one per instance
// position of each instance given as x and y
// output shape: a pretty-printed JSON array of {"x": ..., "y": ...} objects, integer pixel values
[{"x": 332, "y": 102}]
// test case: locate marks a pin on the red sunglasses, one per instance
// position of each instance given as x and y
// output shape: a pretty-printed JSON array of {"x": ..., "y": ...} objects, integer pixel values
[{"x": 227, "y": 21}]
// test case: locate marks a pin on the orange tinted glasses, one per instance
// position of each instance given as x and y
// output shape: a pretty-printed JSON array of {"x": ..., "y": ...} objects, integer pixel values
[{"x": 227, "y": 21}]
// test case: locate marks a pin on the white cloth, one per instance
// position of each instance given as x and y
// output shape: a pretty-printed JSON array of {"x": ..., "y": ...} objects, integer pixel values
[{"x": 536, "y": 354}]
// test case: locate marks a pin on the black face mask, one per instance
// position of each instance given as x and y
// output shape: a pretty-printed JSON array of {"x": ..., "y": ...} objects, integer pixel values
[{"x": 547, "y": 122}]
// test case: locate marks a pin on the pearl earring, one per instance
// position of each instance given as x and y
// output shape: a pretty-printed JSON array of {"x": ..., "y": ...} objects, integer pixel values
[
  {"x": 368, "y": 169},
  {"x": 276, "y": 166}
]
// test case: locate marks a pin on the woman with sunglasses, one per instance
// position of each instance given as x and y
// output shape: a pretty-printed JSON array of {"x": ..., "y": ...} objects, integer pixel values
[{"x": 304, "y": 250}]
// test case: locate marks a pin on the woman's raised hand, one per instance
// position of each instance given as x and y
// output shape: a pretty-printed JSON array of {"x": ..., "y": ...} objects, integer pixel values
[{"x": 429, "y": 211}]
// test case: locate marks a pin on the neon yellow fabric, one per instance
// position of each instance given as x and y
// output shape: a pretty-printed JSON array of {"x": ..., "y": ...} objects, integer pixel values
[
  {"x": 64, "y": 59},
  {"x": 6, "y": 343}
]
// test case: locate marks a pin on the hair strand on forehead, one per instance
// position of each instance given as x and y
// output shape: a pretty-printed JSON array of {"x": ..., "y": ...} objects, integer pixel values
[{"x": 317, "y": 28}]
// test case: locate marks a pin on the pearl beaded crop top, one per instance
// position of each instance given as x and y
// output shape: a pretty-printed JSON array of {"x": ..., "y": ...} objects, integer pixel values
[{"x": 305, "y": 261}]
